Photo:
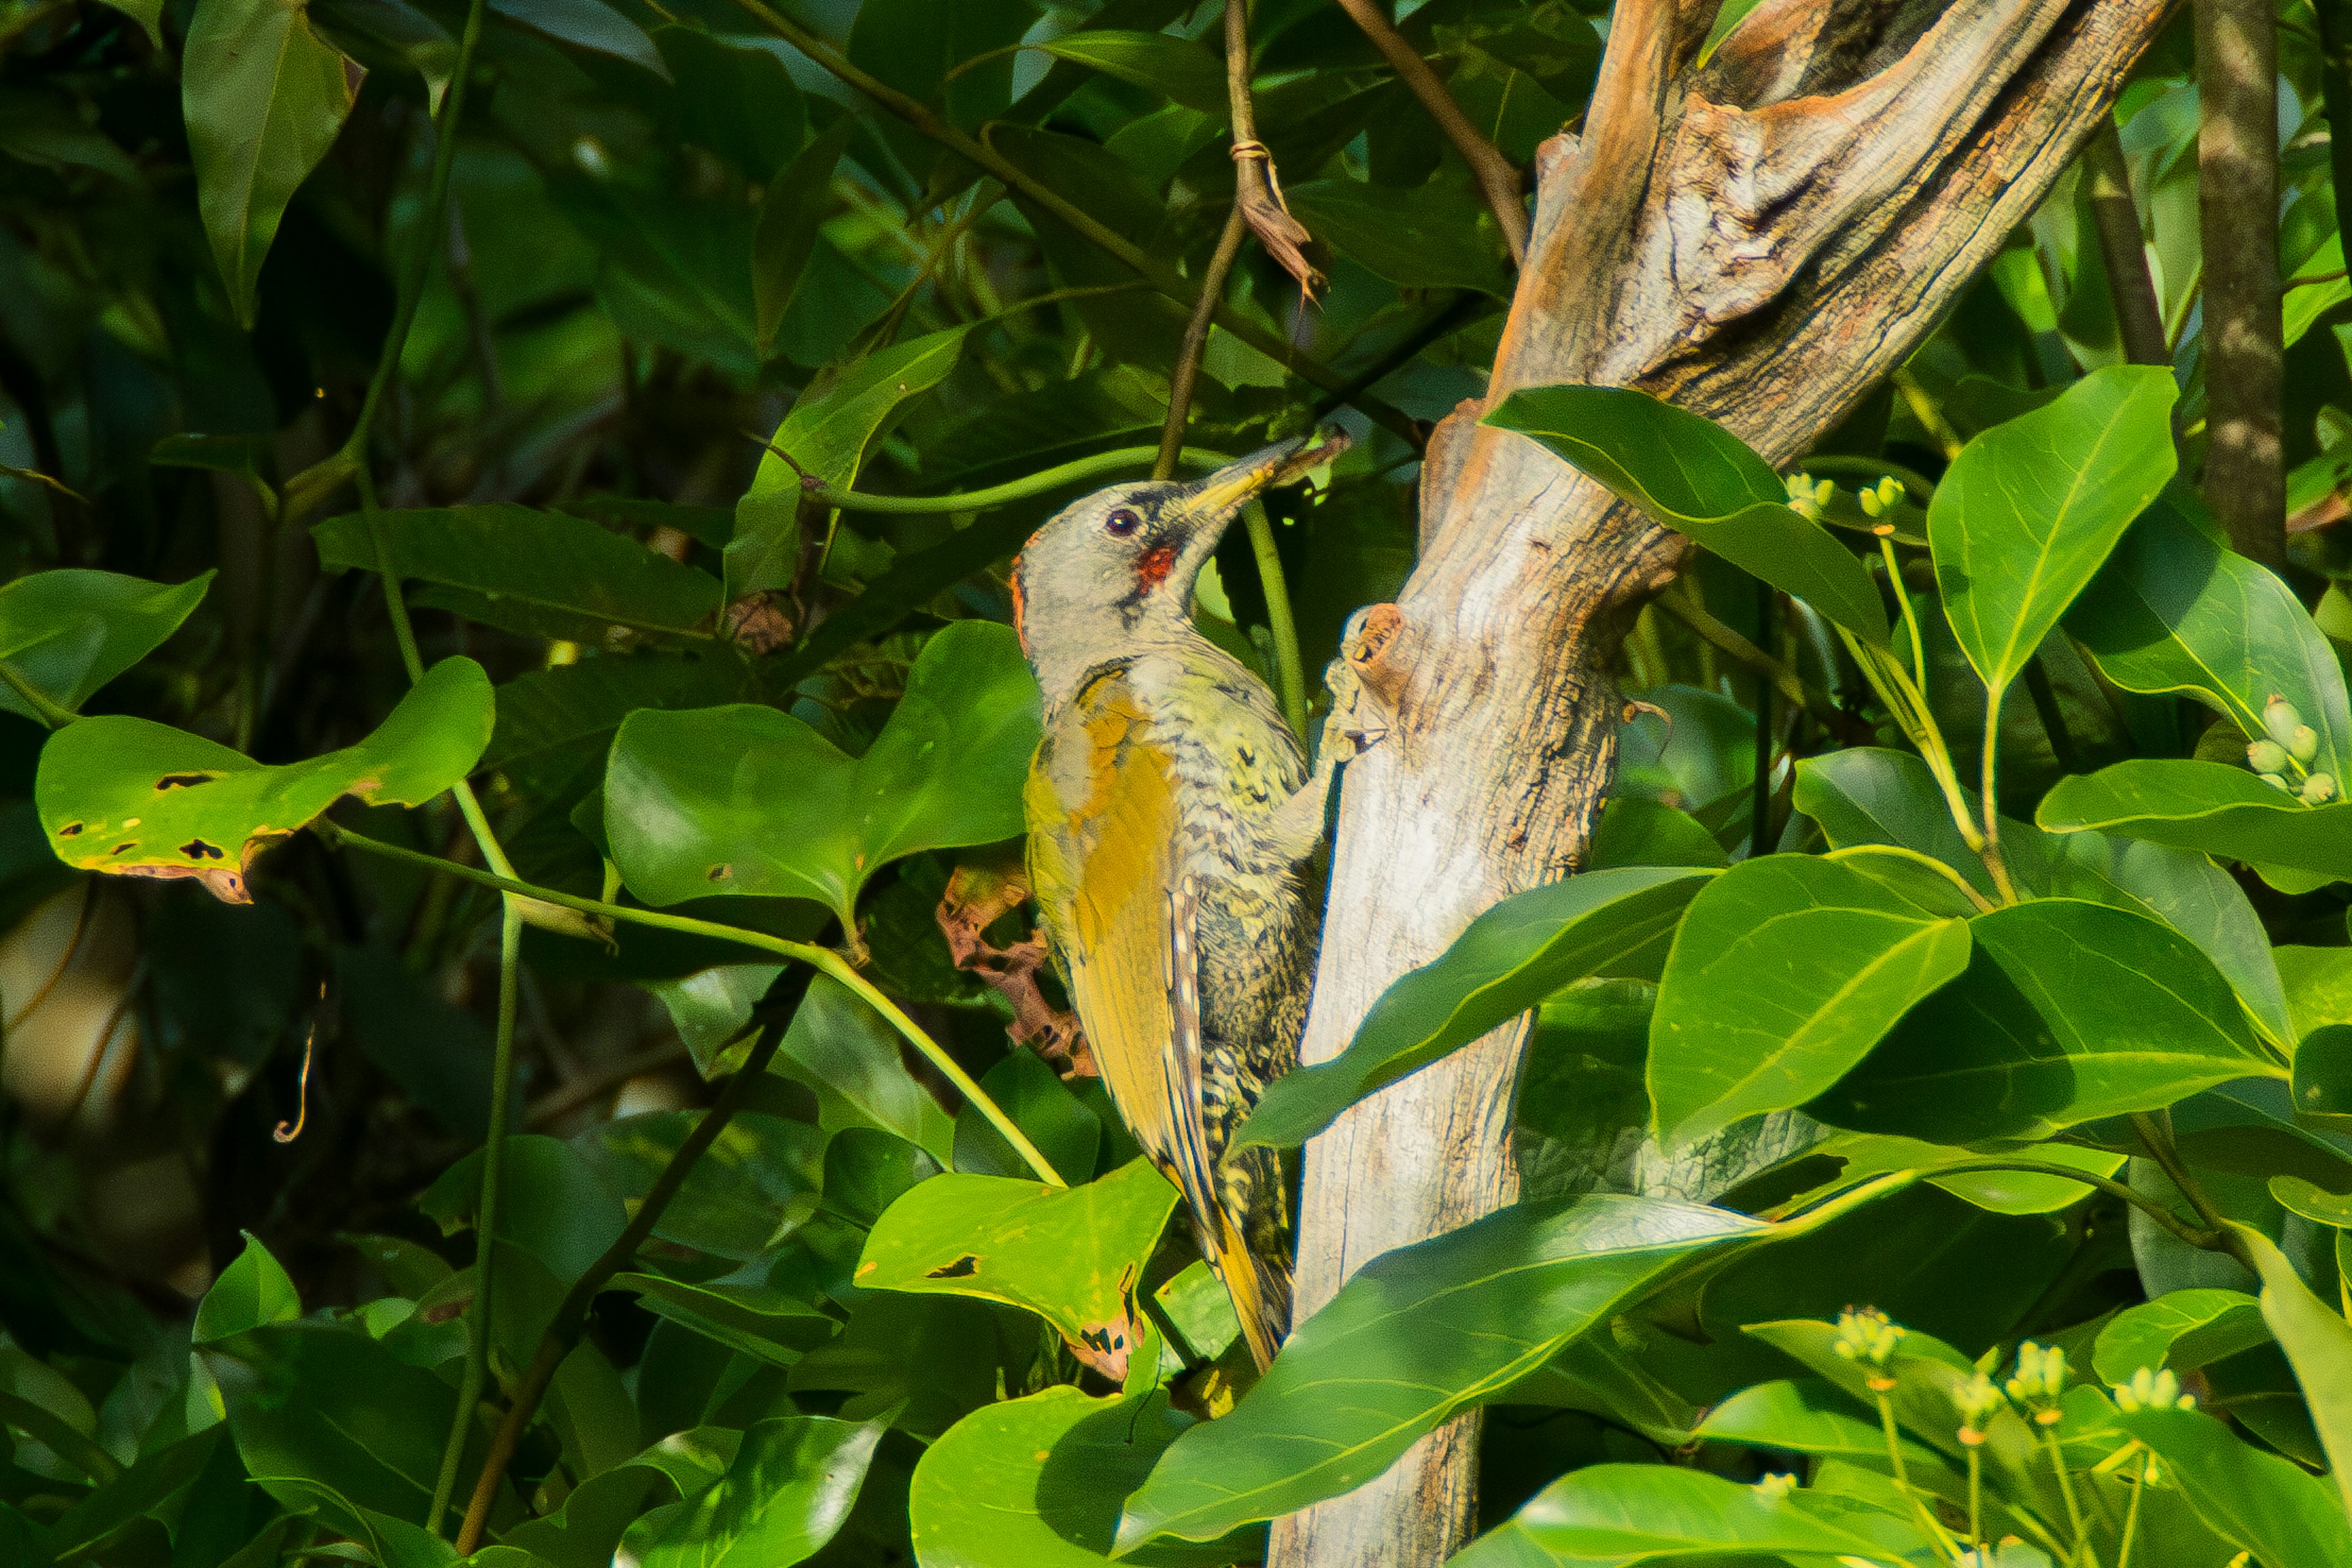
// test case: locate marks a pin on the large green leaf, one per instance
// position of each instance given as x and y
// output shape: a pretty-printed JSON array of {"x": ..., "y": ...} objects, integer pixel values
[
  {"x": 1787, "y": 970},
  {"x": 792, "y": 212},
  {"x": 2254, "y": 1498},
  {"x": 542, "y": 574},
  {"x": 253, "y": 1290},
  {"x": 848, "y": 1057},
  {"x": 1869, "y": 795},
  {"x": 786, "y": 1494},
  {"x": 1512, "y": 956},
  {"x": 264, "y": 97},
  {"x": 2224, "y": 811},
  {"x": 1179, "y": 69},
  {"x": 66, "y": 633},
  {"x": 320, "y": 1403},
  {"x": 1440, "y": 235},
  {"x": 2318, "y": 1344},
  {"x": 1416, "y": 1336},
  {"x": 1695, "y": 477},
  {"x": 1803, "y": 1415},
  {"x": 132, "y": 796},
  {"x": 757, "y": 1320},
  {"x": 752, "y": 801},
  {"x": 1071, "y": 1255},
  {"x": 753, "y": 1186},
  {"x": 826, "y": 433},
  {"x": 556, "y": 725},
  {"x": 2029, "y": 510},
  {"x": 2068, "y": 1011},
  {"x": 2177, "y": 611},
  {"x": 1606, "y": 1516},
  {"x": 583, "y": 1532},
  {"x": 2183, "y": 1330},
  {"x": 1036, "y": 1483}
]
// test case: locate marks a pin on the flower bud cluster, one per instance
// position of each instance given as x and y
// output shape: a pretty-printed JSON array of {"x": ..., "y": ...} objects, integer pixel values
[
  {"x": 1809, "y": 498},
  {"x": 2039, "y": 1379},
  {"x": 2287, "y": 743},
  {"x": 1882, "y": 498},
  {"x": 1979, "y": 1400},
  {"x": 2151, "y": 1390},
  {"x": 1777, "y": 1486}
]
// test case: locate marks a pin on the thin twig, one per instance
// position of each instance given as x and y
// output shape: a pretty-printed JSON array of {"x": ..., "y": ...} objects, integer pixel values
[
  {"x": 570, "y": 1319},
  {"x": 1498, "y": 179},
  {"x": 2158, "y": 1140},
  {"x": 1161, "y": 274},
  {"x": 1792, "y": 686},
  {"x": 1196, "y": 339},
  {"x": 1257, "y": 189}
]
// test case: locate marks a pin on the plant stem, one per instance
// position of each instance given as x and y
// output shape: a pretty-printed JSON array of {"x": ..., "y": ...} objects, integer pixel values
[
  {"x": 1497, "y": 179},
  {"x": 1290, "y": 675},
  {"x": 1686, "y": 608},
  {"x": 1910, "y": 616},
  {"x": 2054, "y": 721},
  {"x": 2139, "y": 316},
  {"x": 1161, "y": 274},
  {"x": 479, "y": 1312},
  {"x": 1187, "y": 373},
  {"x": 1989, "y": 790},
  {"x": 1102, "y": 464},
  {"x": 51, "y": 713},
  {"x": 2157, "y": 1140},
  {"x": 1759, "y": 808},
  {"x": 2131, "y": 1514},
  {"x": 2067, "y": 1491},
  {"x": 823, "y": 958},
  {"x": 1976, "y": 1502},
  {"x": 571, "y": 1319}
]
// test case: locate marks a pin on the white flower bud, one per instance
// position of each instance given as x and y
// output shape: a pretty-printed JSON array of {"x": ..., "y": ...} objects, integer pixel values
[{"x": 2266, "y": 757}]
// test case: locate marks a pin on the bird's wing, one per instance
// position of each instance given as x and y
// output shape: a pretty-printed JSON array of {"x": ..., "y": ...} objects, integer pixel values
[{"x": 1103, "y": 859}]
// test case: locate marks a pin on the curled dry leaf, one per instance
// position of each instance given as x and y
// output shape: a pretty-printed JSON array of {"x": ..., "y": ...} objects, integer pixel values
[{"x": 976, "y": 896}]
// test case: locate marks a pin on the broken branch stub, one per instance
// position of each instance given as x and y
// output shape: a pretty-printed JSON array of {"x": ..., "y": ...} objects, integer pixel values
[{"x": 1759, "y": 240}]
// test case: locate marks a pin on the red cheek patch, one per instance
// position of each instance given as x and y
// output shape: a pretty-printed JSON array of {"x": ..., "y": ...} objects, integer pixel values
[{"x": 1152, "y": 568}]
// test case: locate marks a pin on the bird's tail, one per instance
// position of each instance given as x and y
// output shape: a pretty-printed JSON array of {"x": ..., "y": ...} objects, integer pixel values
[{"x": 1259, "y": 1284}]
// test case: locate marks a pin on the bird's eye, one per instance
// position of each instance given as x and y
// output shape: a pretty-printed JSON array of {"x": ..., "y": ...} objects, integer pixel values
[{"x": 1122, "y": 522}]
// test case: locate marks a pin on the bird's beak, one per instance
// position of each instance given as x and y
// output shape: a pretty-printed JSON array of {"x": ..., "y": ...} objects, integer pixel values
[{"x": 1219, "y": 498}]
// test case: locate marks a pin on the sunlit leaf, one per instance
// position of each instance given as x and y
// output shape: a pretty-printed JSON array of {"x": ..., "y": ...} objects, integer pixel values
[
  {"x": 2183, "y": 1330},
  {"x": 1606, "y": 1516},
  {"x": 786, "y": 1494},
  {"x": 2224, "y": 811}
]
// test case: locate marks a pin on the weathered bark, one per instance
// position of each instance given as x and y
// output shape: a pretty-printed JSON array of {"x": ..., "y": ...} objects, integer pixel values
[
  {"x": 1760, "y": 239},
  {"x": 2237, "y": 219}
]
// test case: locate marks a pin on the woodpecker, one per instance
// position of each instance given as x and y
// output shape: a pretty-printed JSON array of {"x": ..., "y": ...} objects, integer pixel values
[{"x": 1169, "y": 809}]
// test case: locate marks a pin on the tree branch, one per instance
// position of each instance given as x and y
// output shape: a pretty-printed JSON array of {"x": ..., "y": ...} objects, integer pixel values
[
  {"x": 2139, "y": 315},
  {"x": 1499, "y": 180}
]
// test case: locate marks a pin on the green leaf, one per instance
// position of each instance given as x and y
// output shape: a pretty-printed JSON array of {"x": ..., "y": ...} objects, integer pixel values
[
  {"x": 786, "y": 1494},
  {"x": 1508, "y": 960},
  {"x": 751, "y": 801},
  {"x": 249, "y": 1292},
  {"x": 1178, "y": 68},
  {"x": 2318, "y": 1344},
  {"x": 2323, "y": 1075},
  {"x": 319, "y": 1404},
  {"x": 2313, "y": 1202},
  {"x": 2029, "y": 510},
  {"x": 2256, "y": 1499},
  {"x": 555, "y": 1205},
  {"x": 2223, "y": 811},
  {"x": 588, "y": 24},
  {"x": 1803, "y": 1415},
  {"x": 1036, "y": 1483},
  {"x": 1071, "y": 1255},
  {"x": 843, "y": 1050},
  {"x": 1607, "y": 1515},
  {"x": 762, "y": 1322},
  {"x": 554, "y": 725},
  {"x": 68, "y": 632},
  {"x": 827, "y": 433},
  {"x": 584, "y": 1531},
  {"x": 542, "y": 574},
  {"x": 1692, "y": 475},
  {"x": 2068, "y": 1011},
  {"x": 753, "y": 1186},
  {"x": 2183, "y": 1330},
  {"x": 264, "y": 97},
  {"x": 1417, "y": 1336},
  {"x": 1787, "y": 970},
  {"x": 135, "y": 797},
  {"x": 1440, "y": 235},
  {"x": 2177, "y": 611},
  {"x": 791, "y": 211},
  {"x": 1636, "y": 832}
]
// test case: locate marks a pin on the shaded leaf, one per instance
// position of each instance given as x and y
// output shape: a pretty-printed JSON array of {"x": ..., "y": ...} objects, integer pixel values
[
  {"x": 1072, "y": 1254},
  {"x": 1178, "y": 68},
  {"x": 791, "y": 1485},
  {"x": 752, "y": 801},
  {"x": 1508, "y": 960},
  {"x": 1786, "y": 971},
  {"x": 542, "y": 574},
  {"x": 843, "y": 1051},
  {"x": 1416, "y": 1336},
  {"x": 2323, "y": 1075},
  {"x": 2254, "y": 1500},
  {"x": 2029, "y": 511},
  {"x": 135, "y": 797},
  {"x": 792, "y": 210},
  {"x": 587, "y": 25},
  {"x": 1441, "y": 236},
  {"x": 2318, "y": 1345},
  {"x": 1692, "y": 475},
  {"x": 251, "y": 1291},
  {"x": 2223, "y": 811},
  {"x": 2183, "y": 1330},
  {"x": 67, "y": 631},
  {"x": 264, "y": 97}
]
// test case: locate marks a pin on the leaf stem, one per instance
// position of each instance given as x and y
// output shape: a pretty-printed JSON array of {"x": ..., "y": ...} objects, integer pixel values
[
  {"x": 1291, "y": 675},
  {"x": 571, "y": 1319},
  {"x": 54, "y": 715},
  {"x": 2131, "y": 1514},
  {"x": 2212, "y": 1240},
  {"x": 2157, "y": 1140},
  {"x": 479, "y": 1311},
  {"x": 1684, "y": 607},
  {"x": 63, "y": 1439},
  {"x": 1160, "y": 273},
  {"x": 2067, "y": 1491},
  {"x": 823, "y": 958},
  {"x": 1100, "y": 465},
  {"x": 1976, "y": 1502},
  {"x": 1917, "y": 485},
  {"x": 1760, "y": 805}
]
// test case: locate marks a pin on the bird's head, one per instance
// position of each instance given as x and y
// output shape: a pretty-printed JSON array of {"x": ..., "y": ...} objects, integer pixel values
[{"x": 1118, "y": 567}]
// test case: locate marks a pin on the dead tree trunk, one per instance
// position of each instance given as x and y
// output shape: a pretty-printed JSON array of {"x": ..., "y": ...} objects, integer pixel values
[{"x": 1760, "y": 239}]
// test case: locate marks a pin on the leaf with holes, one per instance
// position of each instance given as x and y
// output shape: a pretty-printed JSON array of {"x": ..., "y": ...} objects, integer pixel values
[
  {"x": 752, "y": 801},
  {"x": 1071, "y": 1255},
  {"x": 137, "y": 798}
]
